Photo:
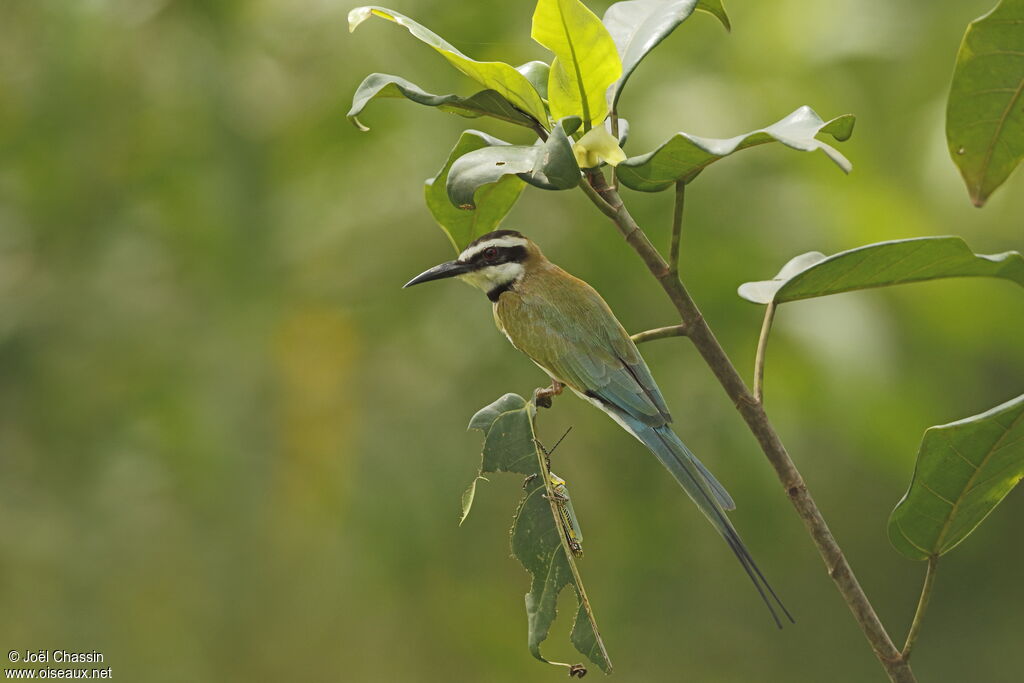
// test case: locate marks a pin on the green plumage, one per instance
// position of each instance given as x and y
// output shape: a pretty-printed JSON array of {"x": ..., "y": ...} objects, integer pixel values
[{"x": 565, "y": 326}]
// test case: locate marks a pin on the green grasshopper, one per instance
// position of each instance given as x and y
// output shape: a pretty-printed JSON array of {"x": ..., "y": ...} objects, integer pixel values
[{"x": 569, "y": 523}]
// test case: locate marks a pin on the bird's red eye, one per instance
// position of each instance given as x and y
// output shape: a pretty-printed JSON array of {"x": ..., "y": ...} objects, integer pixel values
[{"x": 491, "y": 253}]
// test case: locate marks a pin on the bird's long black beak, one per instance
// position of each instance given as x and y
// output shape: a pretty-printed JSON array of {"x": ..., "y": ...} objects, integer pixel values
[{"x": 449, "y": 269}]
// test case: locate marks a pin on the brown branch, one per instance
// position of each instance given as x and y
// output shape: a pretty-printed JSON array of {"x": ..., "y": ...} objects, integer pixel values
[
  {"x": 753, "y": 414},
  {"x": 659, "y": 333}
]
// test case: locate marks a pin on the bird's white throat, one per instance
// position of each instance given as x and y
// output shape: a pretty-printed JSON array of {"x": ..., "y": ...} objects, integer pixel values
[{"x": 493, "y": 277}]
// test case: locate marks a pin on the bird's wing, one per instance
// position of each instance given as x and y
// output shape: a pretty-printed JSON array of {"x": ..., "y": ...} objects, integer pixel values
[{"x": 577, "y": 339}]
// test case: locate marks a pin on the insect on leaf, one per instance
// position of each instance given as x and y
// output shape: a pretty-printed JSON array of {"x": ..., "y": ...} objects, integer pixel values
[{"x": 539, "y": 540}]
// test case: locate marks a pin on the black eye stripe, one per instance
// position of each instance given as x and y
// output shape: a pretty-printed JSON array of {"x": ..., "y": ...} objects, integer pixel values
[{"x": 515, "y": 254}]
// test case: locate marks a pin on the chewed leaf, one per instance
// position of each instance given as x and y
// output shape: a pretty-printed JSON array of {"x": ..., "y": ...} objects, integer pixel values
[
  {"x": 684, "y": 156},
  {"x": 484, "y": 103},
  {"x": 964, "y": 469},
  {"x": 497, "y": 76},
  {"x": 549, "y": 166},
  {"x": 539, "y": 541},
  {"x": 985, "y": 114},
  {"x": 493, "y": 202},
  {"x": 880, "y": 265}
]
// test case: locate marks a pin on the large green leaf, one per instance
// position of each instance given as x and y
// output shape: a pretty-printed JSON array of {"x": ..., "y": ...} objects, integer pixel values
[
  {"x": 483, "y": 103},
  {"x": 549, "y": 166},
  {"x": 878, "y": 265},
  {"x": 985, "y": 115},
  {"x": 586, "y": 61},
  {"x": 492, "y": 201},
  {"x": 498, "y": 76},
  {"x": 538, "y": 539},
  {"x": 964, "y": 469},
  {"x": 684, "y": 156},
  {"x": 637, "y": 26}
]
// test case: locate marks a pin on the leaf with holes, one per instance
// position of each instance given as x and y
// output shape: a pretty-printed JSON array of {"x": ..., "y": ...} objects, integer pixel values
[
  {"x": 483, "y": 103},
  {"x": 493, "y": 201},
  {"x": 539, "y": 541},
  {"x": 880, "y": 265},
  {"x": 498, "y": 76},
  {"x": 550, "y": 165},
  {"x": 964, "y": 469},
  {"x": 985, "y": 114},
  {"x": 586, "y": 61},
  {"x": 684, "y": 156}
]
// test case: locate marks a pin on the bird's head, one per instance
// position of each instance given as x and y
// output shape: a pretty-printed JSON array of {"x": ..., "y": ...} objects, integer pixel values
[{"x": 494, "y": 263}]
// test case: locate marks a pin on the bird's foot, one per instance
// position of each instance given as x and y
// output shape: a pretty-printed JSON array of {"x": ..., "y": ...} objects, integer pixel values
[{"x": 542, "y": 397}]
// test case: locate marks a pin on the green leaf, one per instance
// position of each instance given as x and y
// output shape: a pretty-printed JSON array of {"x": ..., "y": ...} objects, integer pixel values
[
  {"x": 549, "y": 166},
  {"x": 498, "y": 76},
  {"x": 880, "y": 265},
  {"x": 537, "y": 73},
  {"x": 985, "y": 114},
  {"x": 538, "y": 540},
  {"x": 586, "y": 61},
  {"x": 493, "y": 201},
  {"x": 483, "y": 103},
  {"x": 715, "y": 8},
  {"x": 684, "y": 156},
  {"x": 964, "y": 469},
  {"x": 637, "y": 26}
]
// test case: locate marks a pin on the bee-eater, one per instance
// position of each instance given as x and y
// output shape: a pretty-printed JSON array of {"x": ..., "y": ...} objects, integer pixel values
[{"x": 568, "y": 330}]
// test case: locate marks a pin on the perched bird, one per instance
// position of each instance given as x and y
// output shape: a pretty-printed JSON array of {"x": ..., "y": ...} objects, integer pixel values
[{"x": 568, "y": 330}]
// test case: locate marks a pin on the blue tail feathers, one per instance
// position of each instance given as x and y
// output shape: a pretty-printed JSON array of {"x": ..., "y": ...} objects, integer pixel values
[{"x": 708, "y": 494}]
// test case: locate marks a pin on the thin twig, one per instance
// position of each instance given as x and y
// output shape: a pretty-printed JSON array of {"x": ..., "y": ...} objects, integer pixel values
[
  {"x": 922, "y": 605},
  {"x": 659, "y": 333},
  {"x": 762, "y": 346},
  {"x": 757, "y": 421},
  {"x": 581, "y": 593},
  {"x": 677, "y": 226}
]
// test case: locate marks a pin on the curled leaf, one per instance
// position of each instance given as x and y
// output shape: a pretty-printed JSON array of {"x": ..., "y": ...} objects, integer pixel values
[
  {"x": 497, "y": 76},
  {"x": 483, "y": 103},
  {"x": 684, "y": 156},
  {"x": 549, "y": 166}
]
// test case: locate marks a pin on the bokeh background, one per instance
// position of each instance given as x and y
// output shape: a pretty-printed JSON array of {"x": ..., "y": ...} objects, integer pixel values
[{"x": 232, "y": 449}]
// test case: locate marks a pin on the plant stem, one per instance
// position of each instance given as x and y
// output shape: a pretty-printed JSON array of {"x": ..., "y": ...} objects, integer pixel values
[
  {"x": 677, "y": 226},
  {"x": 753, "y": 414},
  {"x": 581, "y": 593},
  {"x": 922, "y": 605},
  {"x": 762, "y": 346},
  {"x": 659, "y": 333}
]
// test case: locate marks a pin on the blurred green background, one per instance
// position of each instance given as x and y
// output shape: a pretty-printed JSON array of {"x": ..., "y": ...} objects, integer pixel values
[{"x": 232, "y": 449}]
